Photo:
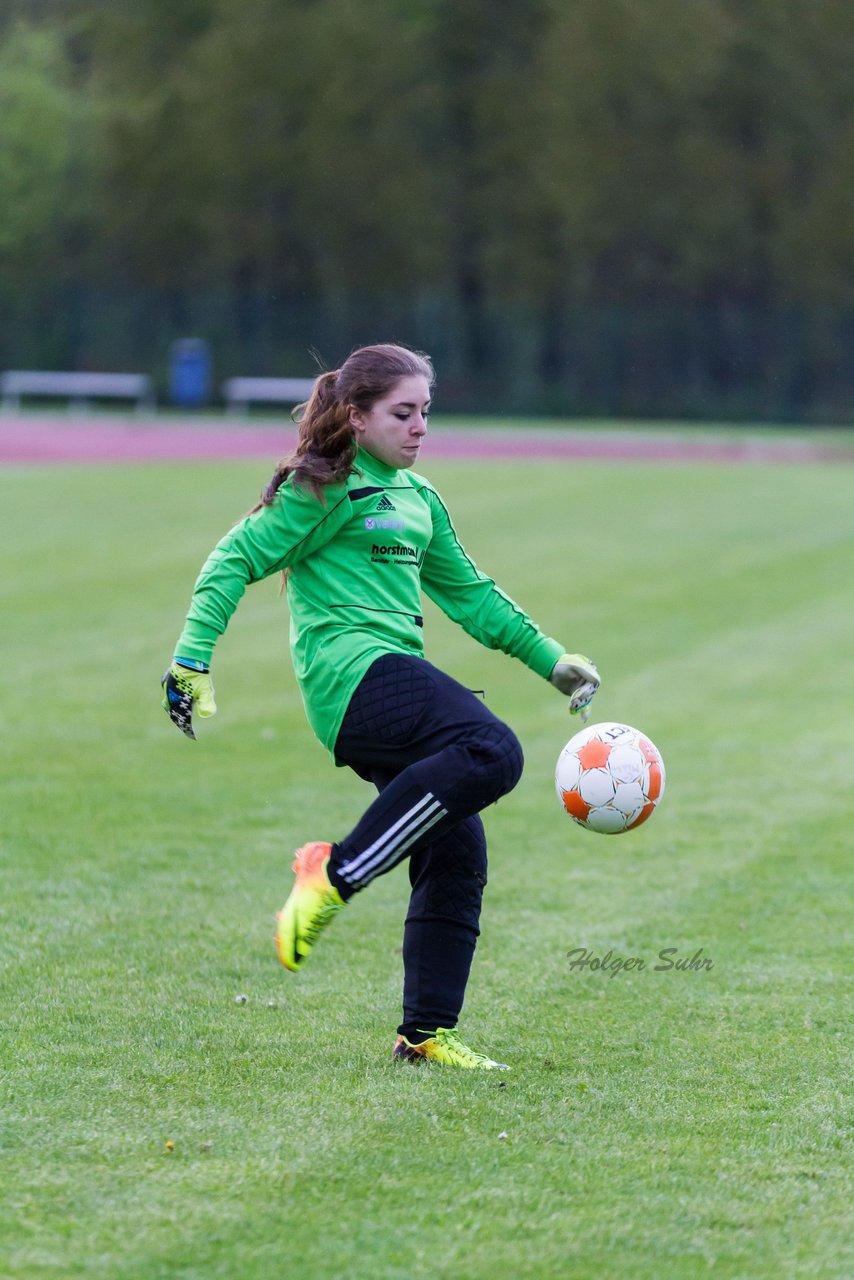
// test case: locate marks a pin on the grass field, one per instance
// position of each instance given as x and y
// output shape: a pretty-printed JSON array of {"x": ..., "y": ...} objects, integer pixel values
[{"x": 655, "y": 1125}]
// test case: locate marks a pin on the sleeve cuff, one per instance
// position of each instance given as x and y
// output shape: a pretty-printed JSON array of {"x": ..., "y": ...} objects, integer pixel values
[
  {"x": 196, "y": 644},
  {"x": 543, "y": 657}
]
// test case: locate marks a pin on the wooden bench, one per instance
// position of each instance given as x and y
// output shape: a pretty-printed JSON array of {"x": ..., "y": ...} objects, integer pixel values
[
  {"x": 239, "y": 393},
  {"x": 77, "y": 388}
]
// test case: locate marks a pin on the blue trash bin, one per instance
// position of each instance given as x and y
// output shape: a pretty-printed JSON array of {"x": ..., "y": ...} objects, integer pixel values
[{"x": 190, "y": 368}]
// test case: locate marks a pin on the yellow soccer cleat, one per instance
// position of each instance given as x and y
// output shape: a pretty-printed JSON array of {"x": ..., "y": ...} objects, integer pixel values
[
  {"x": 446, "y": 1047},
  {"x": 312, "y": 904}
]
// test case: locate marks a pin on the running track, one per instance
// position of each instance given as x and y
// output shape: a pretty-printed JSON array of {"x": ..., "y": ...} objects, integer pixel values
[{"x": 44, "y": 440}]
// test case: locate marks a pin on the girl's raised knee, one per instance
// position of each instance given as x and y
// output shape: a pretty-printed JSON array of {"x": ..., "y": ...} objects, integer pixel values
[{"x": 501, "y": 755}]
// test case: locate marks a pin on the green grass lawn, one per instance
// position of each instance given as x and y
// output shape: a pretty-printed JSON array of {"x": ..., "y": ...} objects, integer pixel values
[{"x": 655, "y": 1124}]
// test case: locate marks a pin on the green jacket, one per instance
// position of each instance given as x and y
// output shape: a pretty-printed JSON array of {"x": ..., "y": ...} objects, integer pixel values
[{"x": 357, "y": 564}]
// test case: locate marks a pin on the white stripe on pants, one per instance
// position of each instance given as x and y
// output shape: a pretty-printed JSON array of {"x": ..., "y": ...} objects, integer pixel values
[{"x": 388, "y": 847}]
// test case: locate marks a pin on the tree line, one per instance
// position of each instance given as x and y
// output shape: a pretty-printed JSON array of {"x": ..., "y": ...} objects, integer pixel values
[{"x": 601, "y": 206}]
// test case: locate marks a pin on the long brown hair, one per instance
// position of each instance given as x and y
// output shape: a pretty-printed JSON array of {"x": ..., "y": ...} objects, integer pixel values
[{"x": 326, "y": 443}]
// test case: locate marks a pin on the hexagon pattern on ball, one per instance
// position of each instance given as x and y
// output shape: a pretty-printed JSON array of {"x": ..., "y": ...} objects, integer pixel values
[{"x": 609, "y": 778}]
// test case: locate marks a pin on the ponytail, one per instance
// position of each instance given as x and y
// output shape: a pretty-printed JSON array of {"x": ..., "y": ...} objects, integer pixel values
[{"x": 326, "y": 443}]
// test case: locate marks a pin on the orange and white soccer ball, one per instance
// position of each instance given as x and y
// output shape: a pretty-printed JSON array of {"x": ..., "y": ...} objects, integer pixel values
[{"x": 609, "y": 778}]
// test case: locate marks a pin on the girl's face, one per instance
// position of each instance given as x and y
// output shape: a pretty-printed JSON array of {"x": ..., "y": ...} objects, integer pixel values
[{"x": 392, "y": 430}]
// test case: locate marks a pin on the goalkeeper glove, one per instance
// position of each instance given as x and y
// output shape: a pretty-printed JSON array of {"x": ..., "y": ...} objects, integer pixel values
[
  {"x": 187, "y": 684},
  {"x": 578, "y": 678}
]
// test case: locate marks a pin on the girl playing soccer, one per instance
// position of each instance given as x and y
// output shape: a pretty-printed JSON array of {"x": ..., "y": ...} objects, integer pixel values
[{"x": 359, "y": 535}]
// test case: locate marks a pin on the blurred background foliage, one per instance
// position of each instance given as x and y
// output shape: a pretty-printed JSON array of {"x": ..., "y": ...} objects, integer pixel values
[{"x": 597, "y": 207}]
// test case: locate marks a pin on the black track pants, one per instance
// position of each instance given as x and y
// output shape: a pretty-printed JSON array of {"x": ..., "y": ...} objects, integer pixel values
[{"x": 438, "y": 756}]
